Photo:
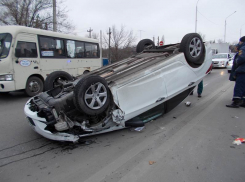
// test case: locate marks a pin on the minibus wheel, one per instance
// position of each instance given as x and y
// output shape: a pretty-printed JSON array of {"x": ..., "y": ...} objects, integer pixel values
[
  {"x": 92, "y": 95},
  {"x": 34, "y": 86}
]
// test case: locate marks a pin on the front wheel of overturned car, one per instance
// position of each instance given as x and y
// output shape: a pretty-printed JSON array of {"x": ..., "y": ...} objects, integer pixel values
[
  {"x": 143, "y": 44},
  {"x": 34, "y": 86},
  {"x": 193, "y": 48},
  {"x": 55, "y": 79},
  {"x": 92, "y": 95}
]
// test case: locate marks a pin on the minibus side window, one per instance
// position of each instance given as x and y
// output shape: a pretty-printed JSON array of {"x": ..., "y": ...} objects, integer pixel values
[
  {"x": 52, "y": 47},
  {"x": 80, "y": 49},
  {"x": 70, "y": 47},
  {"x": 26, "y": 49},
  {"x": 92, "y": 50}
]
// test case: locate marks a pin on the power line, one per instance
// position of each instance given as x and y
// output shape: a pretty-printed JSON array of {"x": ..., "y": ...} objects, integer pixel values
[{"x": 207, "y": 18}]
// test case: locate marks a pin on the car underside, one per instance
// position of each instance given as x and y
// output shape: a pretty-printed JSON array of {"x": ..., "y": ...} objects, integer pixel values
[{"x": 128, "y": 93}]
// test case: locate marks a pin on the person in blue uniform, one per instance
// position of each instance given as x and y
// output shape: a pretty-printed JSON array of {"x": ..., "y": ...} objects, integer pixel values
[{"x": 238, "y": 75}]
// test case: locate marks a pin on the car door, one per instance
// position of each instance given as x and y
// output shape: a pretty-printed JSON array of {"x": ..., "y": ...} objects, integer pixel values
[{"x": 142, "y": 94}]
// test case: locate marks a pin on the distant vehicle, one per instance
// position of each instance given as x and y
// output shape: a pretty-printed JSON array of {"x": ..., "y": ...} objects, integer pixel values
[
  {"x": 220, "y": 48},
  {"x": 28, "y": 55},
  {"x": 221, "y": 60},
  {"x": 230, "y": 62},
  {"x": 128, "y": 93}
]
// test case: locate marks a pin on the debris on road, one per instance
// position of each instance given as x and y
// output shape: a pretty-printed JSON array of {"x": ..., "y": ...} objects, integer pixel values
[
  {"x": 235, "y": 136},
  {"x": 239, "y": 141},
  {"x": 152, "y": 162},
  {"x": 188, "y": 103},
  {"x": 139, "y": 128},
  {"x": 235, "y": 117}
]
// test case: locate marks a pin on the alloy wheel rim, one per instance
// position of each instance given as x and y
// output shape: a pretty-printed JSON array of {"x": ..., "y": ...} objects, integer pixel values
[
  {"x": 195, "y": 47},
  {"x": 95, "y": 96}
]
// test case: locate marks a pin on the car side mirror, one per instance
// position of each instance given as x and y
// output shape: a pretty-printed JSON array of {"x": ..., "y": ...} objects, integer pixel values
[{"x": 17, "y": 52}]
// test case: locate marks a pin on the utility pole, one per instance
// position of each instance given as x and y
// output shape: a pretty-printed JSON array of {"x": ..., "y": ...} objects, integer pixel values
[
  {"x": 153, "y": 38},
  {"x": 241, "y": 30},
  {"x": 109, "y": 54},
  {"x": 140, "y": 33},
  {"x": 90, "y": 30},
  {"x": 54, "y": 16},
  {"x": 225, "y": 24},
  {"x": 158, "y": 41},
  {"x": 196, "y": 19},
  {"x": 101, "y": 38},
  {"x": 101, "y": 43}
]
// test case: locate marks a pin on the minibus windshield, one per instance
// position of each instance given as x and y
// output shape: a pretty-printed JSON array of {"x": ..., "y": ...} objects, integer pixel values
[{"x": 5, "y": 43}]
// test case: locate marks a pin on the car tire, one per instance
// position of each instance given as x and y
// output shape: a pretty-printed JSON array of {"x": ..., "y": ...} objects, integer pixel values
[
  {"x": 143, "y": 44},
  {"x": 88, "y": 91},
  {"x": 52, "y": 79},
  {"x": 34, "y": 86},
  {"x": 193, "y": 48}
]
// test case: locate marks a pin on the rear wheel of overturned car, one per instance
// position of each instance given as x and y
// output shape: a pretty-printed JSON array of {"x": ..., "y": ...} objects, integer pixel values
[
  {"x": 143, "y": 44},
  {"x": 34, "y": 86},
  {"x": 55, "y": 79},
  {"x": 92, "y": 95},
  {"x": 193, "y": 48}
]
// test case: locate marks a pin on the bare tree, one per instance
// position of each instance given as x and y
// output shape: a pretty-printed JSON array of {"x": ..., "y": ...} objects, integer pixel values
[
  {"x": 33, "y": 13},
  {"x": 220, "y": 41},
  {"x": 121, "y": 43}
]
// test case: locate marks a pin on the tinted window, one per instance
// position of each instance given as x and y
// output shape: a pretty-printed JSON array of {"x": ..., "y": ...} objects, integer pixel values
[
  {"x": 27, "y": 49},
  {"x": 75, "y": 49},
  {"x": 5, "y": 43},
  {"x": 52, "y": 47},
  {"x": 80, "y": 50},
  {"x": 92, "y": 50}
]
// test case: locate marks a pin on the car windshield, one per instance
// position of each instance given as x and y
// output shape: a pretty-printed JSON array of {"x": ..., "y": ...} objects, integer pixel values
[
  {"x": 5, "y": 43},
  {"x": 218, "y": 56}
]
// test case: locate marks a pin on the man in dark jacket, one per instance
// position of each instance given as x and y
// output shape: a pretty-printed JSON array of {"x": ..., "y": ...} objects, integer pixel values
[{"x": 238, "y": 74}]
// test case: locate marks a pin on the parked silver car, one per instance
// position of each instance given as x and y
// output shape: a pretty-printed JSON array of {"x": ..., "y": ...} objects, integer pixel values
[{"x": 221, "y": 60}]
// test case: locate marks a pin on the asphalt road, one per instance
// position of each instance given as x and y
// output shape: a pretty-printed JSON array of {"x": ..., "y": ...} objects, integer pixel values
[{"x": 188, "y": 144}]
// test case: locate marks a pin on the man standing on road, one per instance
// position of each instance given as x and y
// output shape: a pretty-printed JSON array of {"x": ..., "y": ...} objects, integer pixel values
[
  {"x": 239, "y": 75},
  {"x": 199, "y": 89}
]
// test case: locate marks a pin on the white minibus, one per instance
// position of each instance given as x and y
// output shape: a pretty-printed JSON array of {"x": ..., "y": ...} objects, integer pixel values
[{"x": 28, "y": 55}]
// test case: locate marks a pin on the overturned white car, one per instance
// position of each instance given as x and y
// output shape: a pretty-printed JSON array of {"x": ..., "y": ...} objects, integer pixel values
[{"x": 128, "y": 93}]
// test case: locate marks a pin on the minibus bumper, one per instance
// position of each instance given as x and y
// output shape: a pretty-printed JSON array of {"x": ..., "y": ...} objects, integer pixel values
[{"x": 7, "y": 86}]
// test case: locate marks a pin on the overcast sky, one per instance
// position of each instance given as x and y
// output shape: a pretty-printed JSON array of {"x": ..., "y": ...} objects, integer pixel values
[{"x": 171, "y": 18}]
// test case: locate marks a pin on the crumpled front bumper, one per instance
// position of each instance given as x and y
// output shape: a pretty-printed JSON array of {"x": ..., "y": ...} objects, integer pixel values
[{"x": 38, "y": 124}]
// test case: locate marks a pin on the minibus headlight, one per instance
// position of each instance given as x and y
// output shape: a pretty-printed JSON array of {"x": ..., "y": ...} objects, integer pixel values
[{"x": 6, "y": 77}]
